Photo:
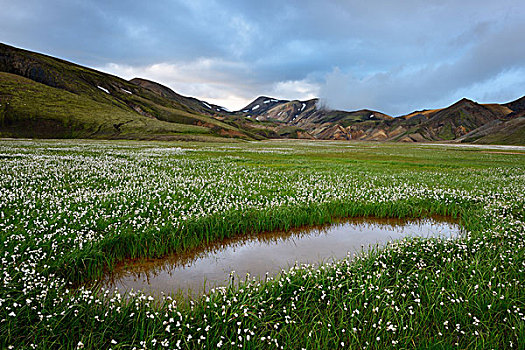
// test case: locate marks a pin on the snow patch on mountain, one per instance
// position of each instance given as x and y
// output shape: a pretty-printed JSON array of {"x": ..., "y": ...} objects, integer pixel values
[{"x": 103, "y": 89}]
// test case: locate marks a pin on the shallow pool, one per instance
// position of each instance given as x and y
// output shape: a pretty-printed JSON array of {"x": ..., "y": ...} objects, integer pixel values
[{"x": 266, "y": 254}]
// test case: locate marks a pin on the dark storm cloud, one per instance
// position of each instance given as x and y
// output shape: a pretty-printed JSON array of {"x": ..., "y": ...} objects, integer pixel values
[
  {"x": 402, "y": 88},
  {"x": 390, "y": 55}
]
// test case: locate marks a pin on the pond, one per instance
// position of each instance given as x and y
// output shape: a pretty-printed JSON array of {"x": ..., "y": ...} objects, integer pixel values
[{"x": 266, "y": 254}]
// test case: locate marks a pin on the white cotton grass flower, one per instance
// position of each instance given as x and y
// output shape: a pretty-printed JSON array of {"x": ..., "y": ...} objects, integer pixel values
[{"x": 113, "y": 187}]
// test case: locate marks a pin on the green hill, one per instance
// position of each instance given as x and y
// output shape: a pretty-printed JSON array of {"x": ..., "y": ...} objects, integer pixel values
[
  {"x": 42, "y": 96},
  {"x": 31, "y": 109}
]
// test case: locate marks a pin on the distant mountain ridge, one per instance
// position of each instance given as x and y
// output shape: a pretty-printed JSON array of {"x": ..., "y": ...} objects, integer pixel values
[
  {"x": 318, "y": 122},
  {"x": 45, "y": 97},
  {"x": 457, "y": 122}
]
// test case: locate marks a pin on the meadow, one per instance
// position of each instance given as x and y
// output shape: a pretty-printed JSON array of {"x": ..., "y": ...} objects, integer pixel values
[{"x": 71, "y": 210}]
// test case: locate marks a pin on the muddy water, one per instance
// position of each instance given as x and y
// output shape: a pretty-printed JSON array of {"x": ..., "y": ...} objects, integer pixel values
[{"x": 201, "y": 269}]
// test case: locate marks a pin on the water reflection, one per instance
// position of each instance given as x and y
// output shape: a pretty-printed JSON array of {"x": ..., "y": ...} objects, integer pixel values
[{"x": 201, "y": 269}]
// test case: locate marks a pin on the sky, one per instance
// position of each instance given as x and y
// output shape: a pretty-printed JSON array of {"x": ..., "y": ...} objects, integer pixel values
[{"x": 391, "y": 56}]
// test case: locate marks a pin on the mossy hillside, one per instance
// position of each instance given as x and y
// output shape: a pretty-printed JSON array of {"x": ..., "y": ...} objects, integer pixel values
[
  {"x": 33, "y": 109},
  {"x": 512, "y": 135},
  {"x": 110, "y": 90}
]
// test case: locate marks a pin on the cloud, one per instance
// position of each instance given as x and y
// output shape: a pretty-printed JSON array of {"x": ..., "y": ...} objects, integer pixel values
[
  {"x": 207, "y": 79},
  {"x": 220, "y": 82},
  {"x": 395, "y": 55},
  {"x": 494, "y": 57},
  {"x": 504, "y": 87},
  {"x": 296, "y": 89}
]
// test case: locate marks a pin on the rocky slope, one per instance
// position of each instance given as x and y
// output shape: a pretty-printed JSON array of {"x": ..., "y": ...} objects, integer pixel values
[
  {"x": 309, "y": 117},
  {"x": 464, "y": 121}
]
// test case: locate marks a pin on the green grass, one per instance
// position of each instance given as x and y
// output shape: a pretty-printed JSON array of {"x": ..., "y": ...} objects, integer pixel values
[
  {"x": 73, "y": 209},
  {"x": 33, "y": 109},
  {"x": 289, "y": 131},
  {"x": 446, "y": 132},
  {"x": 516, "y": 136}
]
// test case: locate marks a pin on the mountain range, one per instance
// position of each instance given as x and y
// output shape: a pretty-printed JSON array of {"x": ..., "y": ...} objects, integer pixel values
[{"x": 46, "y": 97}]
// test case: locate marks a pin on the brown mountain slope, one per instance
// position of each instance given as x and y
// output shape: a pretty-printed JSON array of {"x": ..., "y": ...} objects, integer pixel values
[
  {"x": 457, "y": 120},
  {"x": 444, "y": 124},
  {"x": 517, "y": 105},
  {"x": 307, "y": 116},
  {"x": 509, "y": 132}
]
